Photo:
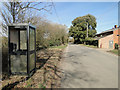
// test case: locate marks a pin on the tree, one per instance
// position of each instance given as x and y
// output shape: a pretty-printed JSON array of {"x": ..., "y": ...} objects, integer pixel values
[
  {"x": 18, "y": 12},
  {"x": 49, "y": 34},
  {"x": 78, "y": 30}
]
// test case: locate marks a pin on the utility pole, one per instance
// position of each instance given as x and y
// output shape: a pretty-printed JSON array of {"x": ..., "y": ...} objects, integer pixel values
[{"x": 87, "y": 29}]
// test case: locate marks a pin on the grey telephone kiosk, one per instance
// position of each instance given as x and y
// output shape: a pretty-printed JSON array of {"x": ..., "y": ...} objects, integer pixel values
[{"x": 22, "y": 48}]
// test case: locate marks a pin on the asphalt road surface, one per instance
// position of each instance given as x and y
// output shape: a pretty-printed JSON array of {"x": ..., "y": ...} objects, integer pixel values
[{"x": 85, "y": 67}]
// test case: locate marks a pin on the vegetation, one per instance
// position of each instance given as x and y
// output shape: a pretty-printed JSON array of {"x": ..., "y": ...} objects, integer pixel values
[
  {"x": 41, "y": 86},
  {"x": 50, "y": 34},
  {"x": 4, "y": 42},
  {"x": 59, "y": 47},
  {"x": 91, "y": 46},
  {"x": 21, "y": 12},
  {"x": 78, "y": 30},
  {"x": 47, "y": 33},
  {"x": 117, "y": 52},
  {"x": 116, "y": 46}
]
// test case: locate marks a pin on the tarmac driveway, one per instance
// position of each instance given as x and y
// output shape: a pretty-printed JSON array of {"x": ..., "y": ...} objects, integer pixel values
[{"x": 85, "y": 67}]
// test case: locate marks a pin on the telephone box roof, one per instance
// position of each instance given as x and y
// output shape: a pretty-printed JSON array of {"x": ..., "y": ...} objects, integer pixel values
[{"x": 21, "y": 24}]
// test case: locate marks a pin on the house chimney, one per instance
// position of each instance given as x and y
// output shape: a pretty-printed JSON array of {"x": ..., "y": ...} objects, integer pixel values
[{"x": 115, "y": 26}]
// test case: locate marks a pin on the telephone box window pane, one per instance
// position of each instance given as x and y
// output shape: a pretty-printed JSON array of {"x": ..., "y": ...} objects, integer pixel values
[
  {"x": 23, "y": 40},
  {"x": 18, "y": 63},
  {"x": 32, "y": 61},
  {"x": 32, "y": 39},
  {"x": 13, "y": 40}
]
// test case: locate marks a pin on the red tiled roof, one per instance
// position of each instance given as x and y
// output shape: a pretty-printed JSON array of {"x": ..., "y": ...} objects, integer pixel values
[{"x": 107, "y": 31}]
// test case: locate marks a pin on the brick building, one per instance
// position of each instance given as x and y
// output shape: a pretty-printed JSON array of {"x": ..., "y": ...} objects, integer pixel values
[{"x": 107, "y": 39}]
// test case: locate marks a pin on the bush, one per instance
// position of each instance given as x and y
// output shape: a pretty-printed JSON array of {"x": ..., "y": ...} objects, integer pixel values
[
  {"x": 51, "y": 34},
  {"x": 91, "y": 41},
  {"x": 116, "y": 46}
]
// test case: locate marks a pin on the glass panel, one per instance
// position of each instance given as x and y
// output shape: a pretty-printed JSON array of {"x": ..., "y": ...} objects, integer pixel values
[
  {"x": 32, "y": 61},
  {"x": 23, "y": 40},
  {"x": 18, "y": 63},
  {"x": 13, "y": 40},
  {"x": 32, "y": 39},
  {"x": 18, "y": 57}
]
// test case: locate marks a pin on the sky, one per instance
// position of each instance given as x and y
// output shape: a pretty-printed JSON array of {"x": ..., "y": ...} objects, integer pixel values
[{"x": 106, "y": 13}]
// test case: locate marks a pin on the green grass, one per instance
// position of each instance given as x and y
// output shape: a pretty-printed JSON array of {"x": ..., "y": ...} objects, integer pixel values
[
  {"x": 91, "y": 46},
  {"x": 117, "y": 52},
  {"x": 41, "y": 86},
  {"x": 59, "y": 47},
  {"x": 28, "y": 84}
]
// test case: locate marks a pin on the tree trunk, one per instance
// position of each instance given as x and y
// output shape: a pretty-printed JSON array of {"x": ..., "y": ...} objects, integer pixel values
[{"x": 13, "y": 12}]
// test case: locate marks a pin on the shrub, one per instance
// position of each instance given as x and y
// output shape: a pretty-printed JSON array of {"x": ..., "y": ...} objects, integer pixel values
[
  {"x": 51, "y": 34},
  {"x": 90, "y": 41},
  {"x": 116, "y": 46}
]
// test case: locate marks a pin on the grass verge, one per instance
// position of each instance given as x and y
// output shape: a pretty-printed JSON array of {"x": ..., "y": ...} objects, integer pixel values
[
  {"x": 59, "y": 47},
  {"x": 91, "y": 46},
  {"x": 117, "y": 52}
]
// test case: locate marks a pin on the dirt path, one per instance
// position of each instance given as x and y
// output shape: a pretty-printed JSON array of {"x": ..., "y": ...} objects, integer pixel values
[{"x": 85, "y": 67}]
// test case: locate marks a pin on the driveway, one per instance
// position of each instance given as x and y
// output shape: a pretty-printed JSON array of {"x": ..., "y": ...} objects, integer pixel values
[{"x": 85, "y": 67}]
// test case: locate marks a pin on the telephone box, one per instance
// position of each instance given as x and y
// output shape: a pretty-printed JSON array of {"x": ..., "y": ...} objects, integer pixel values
[{"x": 22, "y": 49}]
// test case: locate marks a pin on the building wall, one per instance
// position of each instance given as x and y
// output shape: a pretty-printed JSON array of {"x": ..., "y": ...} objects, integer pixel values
[
  {"x": 104, "y": 42},
  {"x": 116, "y": 38}
]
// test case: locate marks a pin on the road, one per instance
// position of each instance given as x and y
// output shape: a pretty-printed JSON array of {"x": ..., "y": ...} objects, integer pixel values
[{"x": 85, "y": 67}]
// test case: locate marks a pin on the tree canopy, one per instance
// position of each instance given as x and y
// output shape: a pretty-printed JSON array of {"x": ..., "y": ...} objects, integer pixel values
[
  {"x": 78, "y": 29},
  {"x": 21, "y": 12}
]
